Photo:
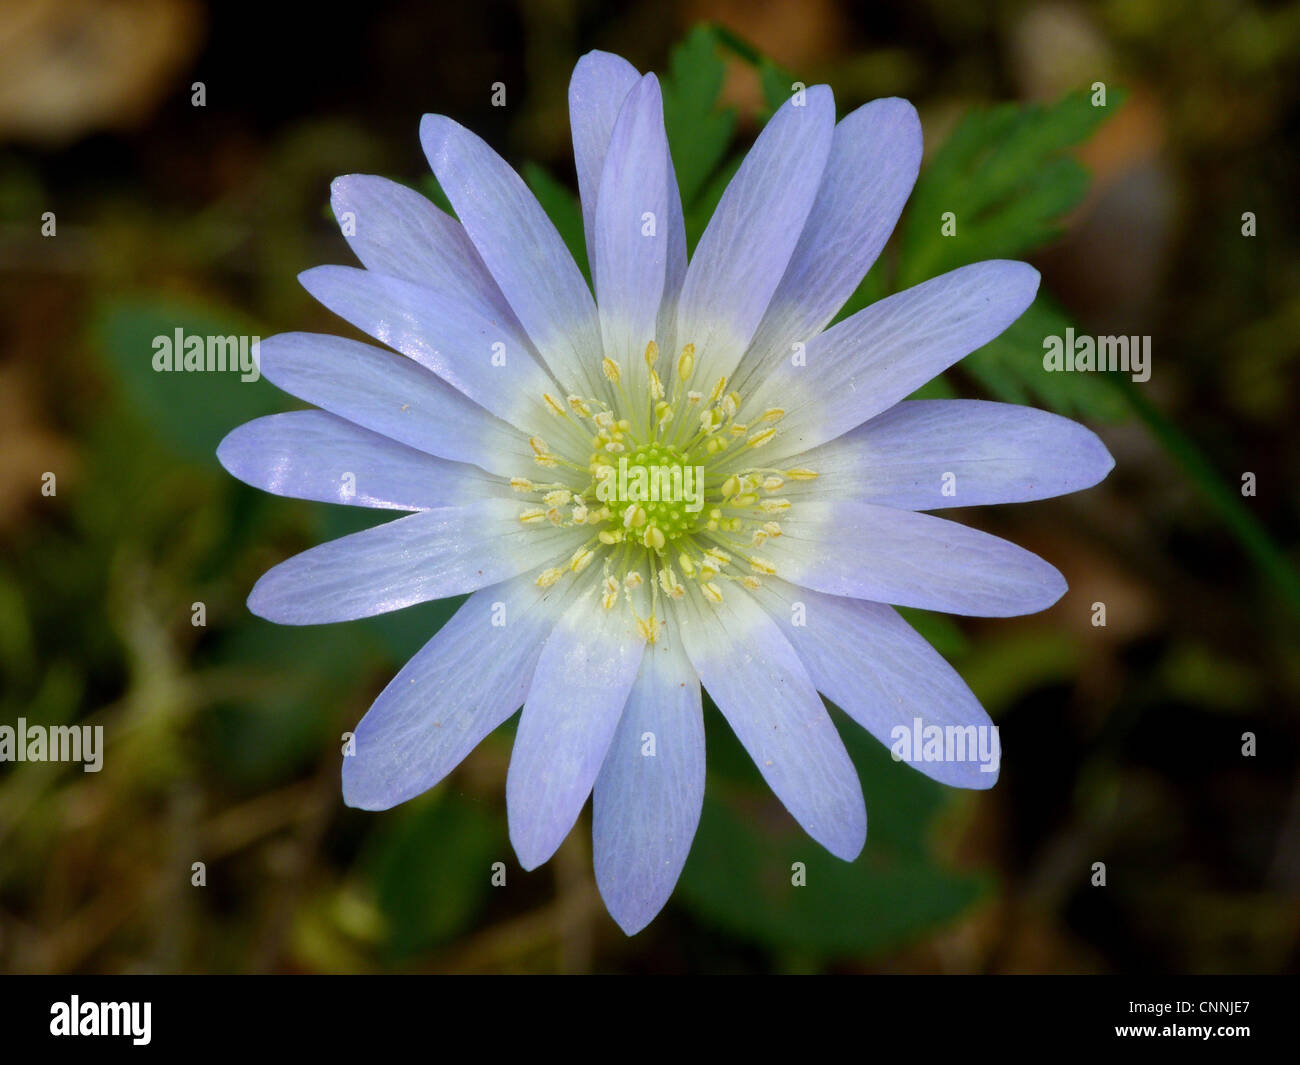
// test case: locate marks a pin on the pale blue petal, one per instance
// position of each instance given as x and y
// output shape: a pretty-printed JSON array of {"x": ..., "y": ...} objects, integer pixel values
[
  {"x": 393, "y": 396},
  {"x": 869, "y": 174},
  {"x": 929, "y": 454},
  {"x": 310, "y": 454},
  {"x": 460, "y": 686},
  {"x": 430, "y": 555},
  {"x": 883, "y": 674},
  {"x": 631, "y": 235},
  {"x": 396, "y": 231},
  {"x": 597, "y": 89},
  {"x": 749, "y": 240},
  {"x": 647, "y": 800},
  {"x": 765, "y": 693},
  {"x": 521, "y": 249},
  {"x": 868, "y": 362},
  {"x": 583, "y": 677},
  {"x": 462, "y": 339},
  {"x": 909, "y": 559}
]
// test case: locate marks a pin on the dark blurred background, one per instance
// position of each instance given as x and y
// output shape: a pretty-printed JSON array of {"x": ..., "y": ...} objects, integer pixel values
[{"x": 1123, "y": 744}]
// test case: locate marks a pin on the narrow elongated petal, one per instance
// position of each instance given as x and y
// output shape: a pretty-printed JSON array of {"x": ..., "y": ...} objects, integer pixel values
[
  {"x": 600, "y": 84},
  {"x": 867, "y": 363},
  {"x": 928, "y": 454},
  {"x": 647, "y": 800},
  {"x": 391, "y": 395},
  {"x": 883, "y": 674},
  {"x": 764, "y": 691},
  {"x": 311, "y": 454},
  {"x": 465, "y": 341},
  {"x": 521, "y": 249},
  {"x": 874, "y": 157},
  {"x": 394, "y": 230},
  {"x": 631, "y": 249},
  {"x": 586, "y": 670},
  {"x": 460, "y": 686},
  {"x": 597, "y": 89},
  {"x": 430, "y": 555},
  {"x": 910, "y": 559},
  {"x": 748, "y": 243}
]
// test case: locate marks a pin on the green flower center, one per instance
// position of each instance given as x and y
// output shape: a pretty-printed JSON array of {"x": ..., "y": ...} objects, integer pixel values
[{"x": 653, "y": 488}]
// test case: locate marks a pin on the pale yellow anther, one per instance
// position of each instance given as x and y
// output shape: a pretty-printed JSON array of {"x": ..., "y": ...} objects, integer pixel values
[
  {"x": 773, "y": 414},
  {"x": 654, "y": 538},
  {"x": 800, "y": 474},
  {"x": 719, "y": 554},
  {"x": 712, "y": 592},
  {"x": 715, "y": 444},
  {"x": 686, "y": 363},
  {"x": 521, "y": 484},
  {"x": 580, "y": 405},
  {"x": 604, "y": 419},
  {"x": 581, "y": 559},
  {"x": 532, "y": 516},
  {"x": 718, "y": 389},
  {"x": 745, "y": 499},
  {"x": 610, "y": 536},
  {"x": 688, "y": 567},
  {"x": 648, "y": 628},
  {"x": 555, "y": 516},
  {"x": 752, "y": 583},
  {"x": 759, "y": 538},
  {"x": 633, "y": 580},
  {"x": 728, "y": 406},
  {"x": 580, "y": 514},
  {"x": 656, "y": 386},
  {"x": 759, "y": 439},
  {"x": 538, "y": 445},
  {"x": 554, "y": 405},
  {"x": 651, "y": 353},
  {"x": 610, "y": 369},
  {"x": 772, "y": 484},
  {"x": 670, "y": 584},
  {"x": 693, "y": 397},
  {"x": 709, "y": 569},
  {"x": 771, "y": 528},
  {"x": 738, "y": 429},
  {"x": 549, "y": 577},
  {"x": 610, "y": 598},
  {"x": 557, "y": 498},
  {"x": 614, "y": 447},
  {"x": 634, "y": 517},
  {"x": 774, "y": 506},
  {"x": 730, "y": 487},
  {"x": 761, "y": 565}
]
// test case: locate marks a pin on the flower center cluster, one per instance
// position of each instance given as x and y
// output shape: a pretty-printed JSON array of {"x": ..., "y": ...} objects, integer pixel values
[
  {"x": 665, "y": 482},
  {"x": 654, "y": 492}
]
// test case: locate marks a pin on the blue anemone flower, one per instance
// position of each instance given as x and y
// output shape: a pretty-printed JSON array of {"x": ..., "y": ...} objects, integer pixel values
[{"x": 684, "y": 479}]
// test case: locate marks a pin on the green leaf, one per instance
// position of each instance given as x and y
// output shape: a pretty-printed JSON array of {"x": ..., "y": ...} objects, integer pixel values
[
  {"x": 191, "y": 410},
  {"x": 431, "y": 866},
  {"x": 739, "y": 878},
  {"x": 1010, "y": 367},
  {"x": 739, "y": 873},
  {"x": 1004, "y": 175},
  {"x": 563, "y": 209},
  {"x": 698, "y": 133}
]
